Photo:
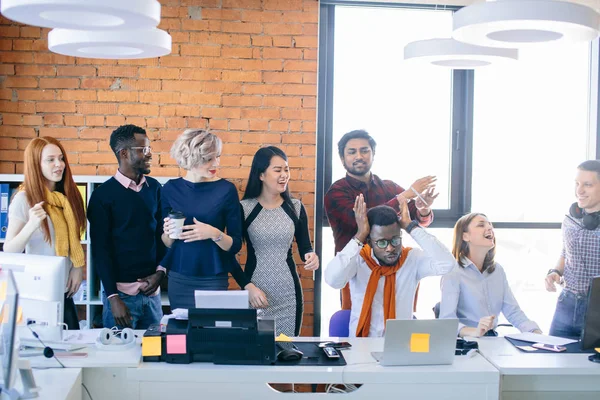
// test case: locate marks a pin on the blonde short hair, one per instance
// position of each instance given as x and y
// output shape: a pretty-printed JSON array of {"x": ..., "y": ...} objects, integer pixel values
[{"x": 195, "y": 147}]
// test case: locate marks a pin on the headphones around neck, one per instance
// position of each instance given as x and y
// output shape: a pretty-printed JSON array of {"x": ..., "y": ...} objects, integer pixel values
[{"x": 589, "y": 221}]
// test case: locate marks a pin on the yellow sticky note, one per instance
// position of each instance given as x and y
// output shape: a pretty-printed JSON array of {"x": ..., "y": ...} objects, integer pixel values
[
  {"x": 283, "y": 338},
  {"x": 3, "y": 286},
  {"x": 419, "y": 343},
  {"x": 151, "y": 346}
]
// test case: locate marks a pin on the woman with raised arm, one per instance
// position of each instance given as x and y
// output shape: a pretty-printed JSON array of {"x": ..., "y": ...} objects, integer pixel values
[{"x": 477, "y": 291}]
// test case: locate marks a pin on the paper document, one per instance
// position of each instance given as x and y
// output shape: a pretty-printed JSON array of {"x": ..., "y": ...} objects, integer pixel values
[
  {"x": 84, "y": 336},
  {"x": 230, "y": 299},
  {"x": 538, "y": 338}
]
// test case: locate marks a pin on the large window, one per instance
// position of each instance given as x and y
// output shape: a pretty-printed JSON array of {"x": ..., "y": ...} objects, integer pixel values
[
  {"x": 503, "y": 140},
  {"x": 530, "y": 130}
]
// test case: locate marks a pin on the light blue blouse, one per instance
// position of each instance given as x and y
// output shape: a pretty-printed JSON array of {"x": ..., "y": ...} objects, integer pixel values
[{"x": 470, "y": 295}]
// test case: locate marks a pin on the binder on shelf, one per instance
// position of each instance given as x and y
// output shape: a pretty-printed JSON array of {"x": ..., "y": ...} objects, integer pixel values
[{"x": 4, "y": 191}]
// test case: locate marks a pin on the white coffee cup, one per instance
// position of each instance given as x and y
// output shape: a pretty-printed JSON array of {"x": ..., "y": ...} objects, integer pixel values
[{"x": 178, "y": 218}]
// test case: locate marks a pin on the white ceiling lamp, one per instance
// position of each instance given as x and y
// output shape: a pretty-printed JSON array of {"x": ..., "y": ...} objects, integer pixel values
[
  {"x": 516, "y": 23},
  {"x": 84, "y": 14},
  {"x": 456, "y": 55},
  {"x": 122, "y": 44}
]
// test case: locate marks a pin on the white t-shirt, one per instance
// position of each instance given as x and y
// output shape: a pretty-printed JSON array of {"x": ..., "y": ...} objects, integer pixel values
[{"x": 19, "y": 210}]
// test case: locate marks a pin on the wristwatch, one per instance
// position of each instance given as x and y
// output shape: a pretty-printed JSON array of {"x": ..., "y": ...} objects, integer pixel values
[
  {"x": 554, "y": 270},
  {"x": 358, "y": 242},
  {"x": 218, "y": 238},
  {"x": 412, "y": 225}
]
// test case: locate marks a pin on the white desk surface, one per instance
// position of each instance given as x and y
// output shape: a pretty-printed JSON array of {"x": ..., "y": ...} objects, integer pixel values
[
  {"x": 511, "y": 361},
  {"x": 56, "y": 384},
  {"x": 360, "y": 368}
]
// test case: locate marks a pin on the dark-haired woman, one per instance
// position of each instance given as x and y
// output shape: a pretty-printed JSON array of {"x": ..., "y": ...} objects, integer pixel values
[
  {"x": 271, "y": 221},
  {"x": 477, "y": 291}
]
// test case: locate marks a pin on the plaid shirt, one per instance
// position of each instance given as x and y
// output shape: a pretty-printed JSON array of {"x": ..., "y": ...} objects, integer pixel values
[
  {"x": 339, "y": 204},
  {"x": 581, "y": 251}
]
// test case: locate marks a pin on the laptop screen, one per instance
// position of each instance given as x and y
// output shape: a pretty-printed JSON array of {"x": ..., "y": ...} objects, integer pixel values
[{"x": 590, "y": 336}]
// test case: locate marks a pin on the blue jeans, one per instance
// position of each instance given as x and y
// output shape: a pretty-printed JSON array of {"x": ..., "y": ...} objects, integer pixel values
[
  {"x": 145, "y": 310},
  {"x": 569, "y": 315}
]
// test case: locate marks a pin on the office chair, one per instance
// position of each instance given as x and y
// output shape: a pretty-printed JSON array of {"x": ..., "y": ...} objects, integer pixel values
[{"x": 339, "y": 324}]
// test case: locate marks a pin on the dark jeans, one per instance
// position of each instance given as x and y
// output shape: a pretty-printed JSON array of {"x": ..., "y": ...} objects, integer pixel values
[
  {"x": 569, "y": 315},
  {"x": 70, "y": 314},
  {"x": 145, "y": 310}
]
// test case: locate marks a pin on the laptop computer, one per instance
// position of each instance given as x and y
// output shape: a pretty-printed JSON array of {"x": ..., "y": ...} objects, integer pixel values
[
  {"x": 590, "y": 335},
  {"x": 418, "y": 342}
]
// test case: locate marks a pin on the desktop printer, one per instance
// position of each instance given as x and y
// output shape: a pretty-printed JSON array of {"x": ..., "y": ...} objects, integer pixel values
[{"x": 221, "y": 336}]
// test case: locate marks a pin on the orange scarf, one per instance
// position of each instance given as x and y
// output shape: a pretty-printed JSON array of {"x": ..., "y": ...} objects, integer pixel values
[{"x": 389, "y": 289}]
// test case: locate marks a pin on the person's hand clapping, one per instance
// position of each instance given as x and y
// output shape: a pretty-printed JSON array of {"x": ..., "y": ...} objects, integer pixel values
[{"x": 360, "y": 215}]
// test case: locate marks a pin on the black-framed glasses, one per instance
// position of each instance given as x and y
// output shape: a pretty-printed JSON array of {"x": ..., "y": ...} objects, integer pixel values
[
  {"x": 145, "y": 149},
  {"x": 383, "y": 243}
]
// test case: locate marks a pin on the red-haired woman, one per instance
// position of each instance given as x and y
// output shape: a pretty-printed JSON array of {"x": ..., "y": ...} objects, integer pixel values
[{"x": 48, "y": 190}]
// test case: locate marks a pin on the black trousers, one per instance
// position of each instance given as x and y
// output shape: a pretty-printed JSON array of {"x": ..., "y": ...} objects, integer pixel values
[{"x": 70, "y": 314}]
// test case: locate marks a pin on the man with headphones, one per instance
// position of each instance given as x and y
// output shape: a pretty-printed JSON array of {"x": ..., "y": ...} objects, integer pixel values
[{"x": 580, "y": 257}]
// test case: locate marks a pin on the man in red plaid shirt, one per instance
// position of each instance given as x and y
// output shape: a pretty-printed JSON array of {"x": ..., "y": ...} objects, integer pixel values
[{"x": 357, "y": 150}]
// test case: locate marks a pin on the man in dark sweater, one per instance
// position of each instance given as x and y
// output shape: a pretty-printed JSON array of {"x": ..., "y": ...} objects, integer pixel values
[{"x": 125, "y": 230}]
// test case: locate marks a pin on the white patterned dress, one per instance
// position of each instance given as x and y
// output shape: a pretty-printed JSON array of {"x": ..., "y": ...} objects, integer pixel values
[{"x": 270, "y": 266}]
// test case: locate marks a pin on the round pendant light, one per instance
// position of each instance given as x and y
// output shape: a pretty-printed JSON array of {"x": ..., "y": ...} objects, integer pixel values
[
  {"x": 456, "y": 55},
  {"x": 122, "y": 44},
  {"x": 516, "y": 23},
  {"x": 84, "y": 14}
]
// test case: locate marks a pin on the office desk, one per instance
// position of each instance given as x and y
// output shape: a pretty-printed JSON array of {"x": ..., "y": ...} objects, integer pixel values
[
  {"x": 474, "y": 378},
  {"x": 545, "y": 376},
  {"x": 56, "y": 384}
]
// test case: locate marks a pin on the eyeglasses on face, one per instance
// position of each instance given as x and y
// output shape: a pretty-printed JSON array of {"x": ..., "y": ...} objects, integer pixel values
[
  {"x": 383, "y": 243},
  {"x": 145, "y": 149}
]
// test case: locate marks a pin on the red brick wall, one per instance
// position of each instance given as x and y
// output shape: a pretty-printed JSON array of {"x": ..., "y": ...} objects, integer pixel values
[{"x": 246, "y": 69}]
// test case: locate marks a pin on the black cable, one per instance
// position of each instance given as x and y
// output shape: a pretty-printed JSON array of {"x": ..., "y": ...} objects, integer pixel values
[
  {"x": 86, "y": 390},
  {"x": 49, "y": 353}
]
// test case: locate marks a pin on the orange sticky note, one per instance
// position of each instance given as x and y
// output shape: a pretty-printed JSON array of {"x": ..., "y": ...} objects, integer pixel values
[
  {"x": 176, "y": 344},
  {"x": 3, "y": 286},
  {"x": 5, "y": 314},
  {"x": 419, "y": 343},
  {"x": 151, "y": 346}
]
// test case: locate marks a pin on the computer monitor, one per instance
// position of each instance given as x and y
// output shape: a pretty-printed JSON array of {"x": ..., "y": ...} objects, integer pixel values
[
  {"x": 9, "y": 300},
  {"x": 41, "y": 281},
  {"x": 590, "y": 335}
]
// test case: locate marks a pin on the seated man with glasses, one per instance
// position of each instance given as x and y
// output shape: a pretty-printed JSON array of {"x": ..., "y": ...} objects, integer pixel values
[
  {"x": 125, "y": 230},
  {"x": 383, "y": 274}
]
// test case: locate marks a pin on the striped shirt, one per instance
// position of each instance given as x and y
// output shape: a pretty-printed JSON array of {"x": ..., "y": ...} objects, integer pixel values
[{"x": 581, "y": 251}]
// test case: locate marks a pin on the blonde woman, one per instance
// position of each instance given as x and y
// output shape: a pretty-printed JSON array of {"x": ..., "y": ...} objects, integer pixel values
[
  {"x": 477, "y": 291},
  {"x": 204, "y": 253},
  {"x": 46, "y": 215}
]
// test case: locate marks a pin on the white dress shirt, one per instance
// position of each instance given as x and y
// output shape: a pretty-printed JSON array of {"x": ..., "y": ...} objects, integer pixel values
[
  {"x": 469, "y": 295},
  {"x": 349, "y": 266}
]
